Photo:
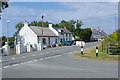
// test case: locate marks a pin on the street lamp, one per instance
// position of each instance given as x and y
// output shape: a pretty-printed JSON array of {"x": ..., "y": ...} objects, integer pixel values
[{"x": 7, "y": 31}]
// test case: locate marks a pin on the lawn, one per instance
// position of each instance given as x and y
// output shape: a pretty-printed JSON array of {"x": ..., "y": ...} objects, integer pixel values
[{"x": 91, "y": 54}]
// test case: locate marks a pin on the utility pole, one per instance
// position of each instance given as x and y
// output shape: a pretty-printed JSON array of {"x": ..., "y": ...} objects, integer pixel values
[
  {"x": 42, "y": 24},
  {"x": 115, "y": 22},
  {"x": 7, "y": 32}
]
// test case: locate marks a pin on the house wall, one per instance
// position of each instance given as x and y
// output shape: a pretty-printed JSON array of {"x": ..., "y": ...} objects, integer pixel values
[
  {"x": 52, "y": 40},
  {"x": 26, "y": 35}
]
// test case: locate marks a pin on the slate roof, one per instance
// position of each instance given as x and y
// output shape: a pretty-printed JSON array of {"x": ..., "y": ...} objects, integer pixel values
[
  {"x": 38, "y": 31},
  {"x": 65, "y": 30},
  {"x": 99, "y": 33}
]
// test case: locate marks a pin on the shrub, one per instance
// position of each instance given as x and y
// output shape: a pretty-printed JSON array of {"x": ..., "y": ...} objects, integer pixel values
[
  {"x": 53, "y": 45},
  {"x": 63, "y": 44},
  {"x": 59, "y": 44}
]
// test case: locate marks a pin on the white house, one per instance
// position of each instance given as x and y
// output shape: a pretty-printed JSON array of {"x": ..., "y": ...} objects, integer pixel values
[
  {"x": 34, "y": 35},
  {"x": 62, "y": 33}
]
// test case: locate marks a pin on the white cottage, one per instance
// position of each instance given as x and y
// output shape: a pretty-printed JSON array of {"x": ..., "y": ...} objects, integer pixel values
[{"x": 33, "y": 34}]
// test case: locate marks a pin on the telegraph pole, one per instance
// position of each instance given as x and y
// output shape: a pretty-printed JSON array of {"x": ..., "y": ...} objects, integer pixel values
[
  {"x": 42, "y": 24},
  {"x": 115, "y": 22}
]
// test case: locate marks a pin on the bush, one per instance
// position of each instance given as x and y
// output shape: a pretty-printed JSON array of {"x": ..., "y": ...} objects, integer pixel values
[
  {"x": 59, "y": 44},
  {"x": 53, "y": 45},
  {"x": 78, "y": 39},
  {"x": 63, "y": 44}
]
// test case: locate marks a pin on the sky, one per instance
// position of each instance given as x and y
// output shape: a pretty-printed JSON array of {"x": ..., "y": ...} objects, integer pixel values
[{"x": 93, "y": 14}]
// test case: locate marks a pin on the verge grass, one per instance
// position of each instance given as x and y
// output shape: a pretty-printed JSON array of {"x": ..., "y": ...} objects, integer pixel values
[{"x": 102, "y": 55}]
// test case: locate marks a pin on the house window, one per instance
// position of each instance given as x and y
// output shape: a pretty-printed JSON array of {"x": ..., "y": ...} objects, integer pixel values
[
  {"x": 44, "y": 40},
  {"x": 62, "y": 32},
  {"x": 66, "y": 35},
  {"x": 69, "y": 35},
  {"x": 61, "y": 40}
]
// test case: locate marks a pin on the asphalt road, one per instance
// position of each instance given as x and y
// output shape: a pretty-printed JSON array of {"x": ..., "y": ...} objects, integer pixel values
[{"x": 57, "y": 62}]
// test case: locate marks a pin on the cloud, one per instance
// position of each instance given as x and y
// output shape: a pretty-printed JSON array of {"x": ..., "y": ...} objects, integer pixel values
[{"x": 93, "y": 14}]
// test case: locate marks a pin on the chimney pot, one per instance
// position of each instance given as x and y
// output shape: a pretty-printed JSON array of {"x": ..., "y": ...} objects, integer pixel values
[{"x": 64, "y": 27}]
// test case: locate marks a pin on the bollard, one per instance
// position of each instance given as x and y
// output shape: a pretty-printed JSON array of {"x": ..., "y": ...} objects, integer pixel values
[
  {"x": 29, "y": 49},
  {"x": 39, "y": 46},
  {"x": 82, "y": 50},
  {"x": 96, "y": 51},
  {"x": 6, "y": 50},
  {"x": 18, "y": 48}
]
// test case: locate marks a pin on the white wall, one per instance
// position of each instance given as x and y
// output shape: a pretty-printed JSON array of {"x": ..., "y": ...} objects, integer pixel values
[
  {"x": 26, "y": 35},
  {"x": 52, "y": 39}
]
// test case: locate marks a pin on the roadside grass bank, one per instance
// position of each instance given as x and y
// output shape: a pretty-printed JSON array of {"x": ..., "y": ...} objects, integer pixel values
[{"x": 102, "y": 55}]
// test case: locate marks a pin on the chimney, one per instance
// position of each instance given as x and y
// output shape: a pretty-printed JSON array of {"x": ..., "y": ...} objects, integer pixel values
[
  {"x": 50, "y": 25},
  {"x": 99, "y": 30},
  {"x": 25, "y": 23},
  {"x": 64, "y": 27},
  {"x": 102, "y": 31},
  {"x": 94, "y": 29}
]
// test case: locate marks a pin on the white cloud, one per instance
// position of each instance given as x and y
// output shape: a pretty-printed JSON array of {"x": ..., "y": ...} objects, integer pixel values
[{"x": 94, "y": 14}]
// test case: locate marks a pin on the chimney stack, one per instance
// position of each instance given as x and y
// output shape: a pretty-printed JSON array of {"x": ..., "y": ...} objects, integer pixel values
[
  {"x": 50, "y": 25},
  {"x": 64, "y": 27},
  {"x": 25, "y": 23}
]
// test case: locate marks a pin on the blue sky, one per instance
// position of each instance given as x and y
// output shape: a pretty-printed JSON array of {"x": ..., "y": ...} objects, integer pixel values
[{"x": 93, "y": 14}]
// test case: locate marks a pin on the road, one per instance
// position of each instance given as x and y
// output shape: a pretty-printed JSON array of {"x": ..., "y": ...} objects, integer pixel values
[{"x": 57, "y": 62}]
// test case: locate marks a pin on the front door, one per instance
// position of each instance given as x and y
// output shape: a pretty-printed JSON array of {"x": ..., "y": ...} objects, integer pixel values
[{"x": 49, "y": 41}]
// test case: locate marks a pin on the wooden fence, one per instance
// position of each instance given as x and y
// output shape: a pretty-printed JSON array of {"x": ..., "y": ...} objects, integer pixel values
[{"x": 110, "y": 48}]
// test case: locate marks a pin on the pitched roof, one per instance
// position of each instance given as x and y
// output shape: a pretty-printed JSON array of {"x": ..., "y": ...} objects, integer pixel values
[
  {"x": 65, "y": 30},
  {"x": 99, "y": 33},
  {"x": 38, "y": 31}
]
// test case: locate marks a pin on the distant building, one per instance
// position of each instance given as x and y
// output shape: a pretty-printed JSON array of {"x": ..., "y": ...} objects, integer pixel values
[
  {"x": 33, "y": 34},
  {"x": 98, "y": 34}
]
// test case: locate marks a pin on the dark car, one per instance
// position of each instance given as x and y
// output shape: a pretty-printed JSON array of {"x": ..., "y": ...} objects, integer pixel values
[
  {"x": 94, "y": 39},
  {"x": 67, "y": 43}
]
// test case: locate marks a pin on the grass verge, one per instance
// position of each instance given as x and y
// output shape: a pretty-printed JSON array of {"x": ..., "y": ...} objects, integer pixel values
[{"x": 91, "y": 54}]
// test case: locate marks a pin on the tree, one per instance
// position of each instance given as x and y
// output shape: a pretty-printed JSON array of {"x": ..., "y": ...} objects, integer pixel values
[
  {"x": 118, "y": 37},
  {"x": 3, "y": 38},
  {"x": 3, "y": 5},
  {"x": 18, "y": 27}
]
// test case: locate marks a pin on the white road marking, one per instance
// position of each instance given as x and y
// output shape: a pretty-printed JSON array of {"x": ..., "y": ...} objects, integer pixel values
[
  {"x": 75, "y": 51},
  {"x": 70, "y": 52},
  {"x": 42, "y": 59},
  {"x": 48, "y": 57},
  {"x": 48, "y": 52},
  {"x": 0, "y": 60},
  {"x": 21, "y": 63},
  {"x": 15, "y": 64},
  {"x": 23, "y": 57},
  {"x": 0, "y": 68},
  {"x": 29, "y": 61},
  {"x": 13, "y": 58},
  {"x": 34, "y": 60},
  {"x": 6, "y": 66}
]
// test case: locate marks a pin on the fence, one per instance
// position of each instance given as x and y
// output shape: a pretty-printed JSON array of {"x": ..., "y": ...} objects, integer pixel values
[{"x": 110, "y": 48}]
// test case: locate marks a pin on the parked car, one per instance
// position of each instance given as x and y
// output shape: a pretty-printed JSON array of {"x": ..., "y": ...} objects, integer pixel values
[
  {"x": 94, "y": 39},
  {"x": 67, "y": 43}
]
